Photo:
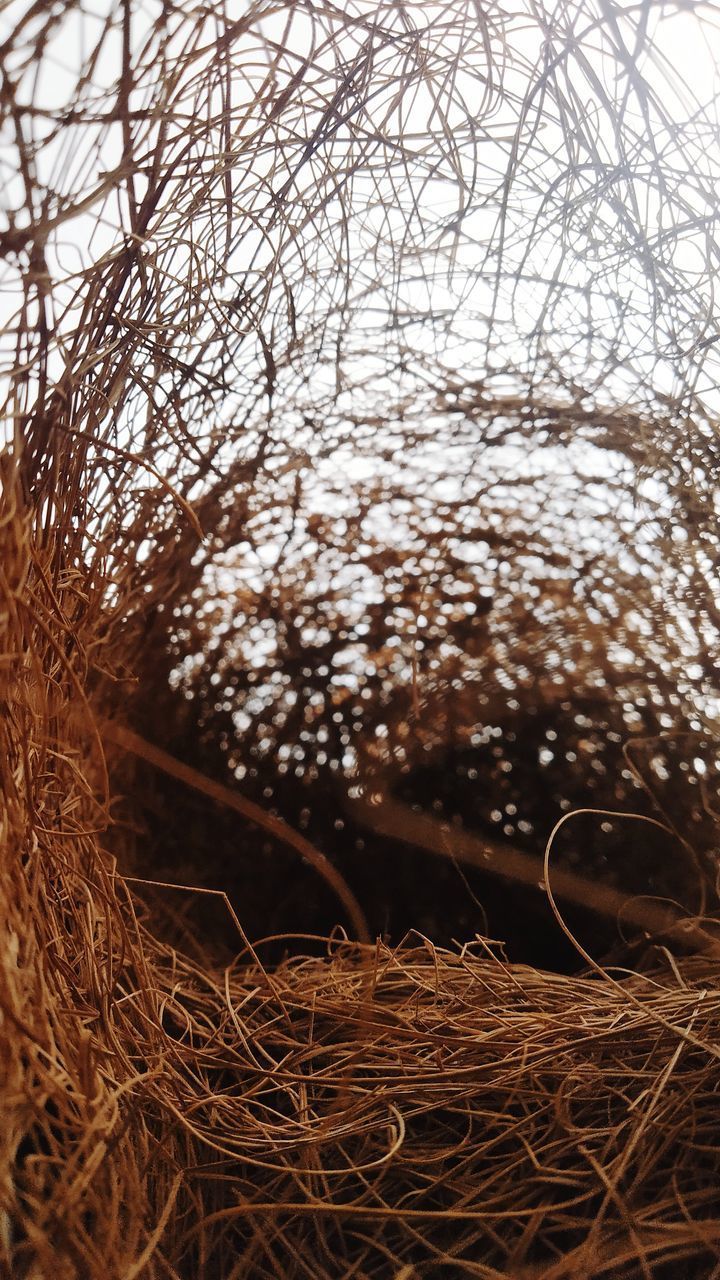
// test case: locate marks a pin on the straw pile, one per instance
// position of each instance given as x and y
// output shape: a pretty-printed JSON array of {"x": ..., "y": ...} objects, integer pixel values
[{"x": 359, "y": 376}]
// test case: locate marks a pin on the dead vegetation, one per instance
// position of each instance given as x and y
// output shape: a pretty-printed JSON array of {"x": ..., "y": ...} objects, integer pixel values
[{"x": 360, "y": 390}]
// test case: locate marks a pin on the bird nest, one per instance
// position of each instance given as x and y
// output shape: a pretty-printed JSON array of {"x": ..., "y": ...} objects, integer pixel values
[{"x": 358, "y": 611}]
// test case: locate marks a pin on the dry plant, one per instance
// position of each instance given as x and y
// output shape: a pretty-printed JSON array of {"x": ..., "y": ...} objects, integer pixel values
[{"x": 360, "y": 384}]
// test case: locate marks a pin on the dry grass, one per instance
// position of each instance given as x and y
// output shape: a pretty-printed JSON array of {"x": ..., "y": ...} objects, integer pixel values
[{"x": 219, "y": 231}]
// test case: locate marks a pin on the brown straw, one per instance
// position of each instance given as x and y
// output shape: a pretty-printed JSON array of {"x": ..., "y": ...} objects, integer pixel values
[{"x": 359, "y": 370}]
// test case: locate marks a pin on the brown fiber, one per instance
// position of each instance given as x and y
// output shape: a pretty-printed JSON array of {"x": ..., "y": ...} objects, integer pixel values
[{"x": 359, "y": 367}]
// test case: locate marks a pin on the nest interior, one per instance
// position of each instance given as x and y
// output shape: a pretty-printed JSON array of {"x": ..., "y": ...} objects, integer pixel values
[{"x": 358, "y": 621}]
